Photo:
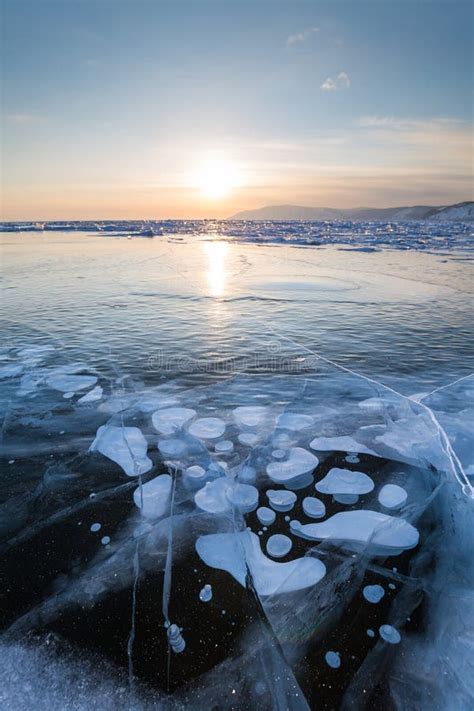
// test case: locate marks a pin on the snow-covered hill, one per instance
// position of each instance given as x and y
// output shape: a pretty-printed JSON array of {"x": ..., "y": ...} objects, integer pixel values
[{"x": 462, "y": 212}]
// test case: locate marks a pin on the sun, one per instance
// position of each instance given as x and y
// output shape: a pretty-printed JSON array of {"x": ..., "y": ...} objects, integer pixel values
[{"x": 216, "y": 178}]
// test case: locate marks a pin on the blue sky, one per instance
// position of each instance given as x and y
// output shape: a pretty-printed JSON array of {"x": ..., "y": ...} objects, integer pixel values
[{"x": 117, "y": 108}]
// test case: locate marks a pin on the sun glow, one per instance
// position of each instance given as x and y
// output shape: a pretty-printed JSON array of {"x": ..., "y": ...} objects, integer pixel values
[
  {"x": 216, "y": 272},
  {"x": 216, "y": 178}
]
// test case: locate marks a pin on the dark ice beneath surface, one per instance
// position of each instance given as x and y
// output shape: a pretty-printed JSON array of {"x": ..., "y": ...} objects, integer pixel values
[{"x": 112, "y": 533}]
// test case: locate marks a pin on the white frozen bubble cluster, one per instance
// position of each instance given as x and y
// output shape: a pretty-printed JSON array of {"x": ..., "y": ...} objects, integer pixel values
[
  {"x": 224, "y": 446},
  {"x": 173, "y": 448},
  {"x": 233, "y": 552},
  {"x": 279, "y": 545},
  {"x": 153, "y": 497},
  {"x": 373, "y": 593},
  {"x": 295, "y": 421},
  {"x": 70, "y": 383},
  {"x": 382, "y": 534},
  {"x": 207, "y": 428},
  {"x": 340, "y": 444},
  {"x": 389, "y": 634},
  {"x": 313, "y": 507},
  {"x": 300, "y": 462},
  {"x": 206, "y": 593},
  {"x": 333, "y": 659},
  {"x": 194, "y": 476},
  {"x": 126, "y": 446},
  {"x": 248, "y": 439},
  {"x": 281, "y": 500},
  {"x": 279, "y": 453},
  {"x": 93, "y": 395},
  {"x": 392, "y": 496},
  {"x": 250, "y": 416},
  {"x": 169, "y": 419},
  {"x": 266, "y": 516},
  {"x": 344, "y": 481},
  {"x": 222, "y": 494}
]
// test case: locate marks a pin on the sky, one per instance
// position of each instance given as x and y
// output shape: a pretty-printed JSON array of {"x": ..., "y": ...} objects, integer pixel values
[{"x": 201, "y": 108}]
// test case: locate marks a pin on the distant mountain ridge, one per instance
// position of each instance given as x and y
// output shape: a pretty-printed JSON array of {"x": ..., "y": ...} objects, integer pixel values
[{"x": 461, "y": 212}]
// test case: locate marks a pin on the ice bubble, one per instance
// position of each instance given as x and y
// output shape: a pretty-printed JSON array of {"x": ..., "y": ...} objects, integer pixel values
[
  {"x": 153, "y": 497},
  {"x": 194, "y": 476},
  {"x": 373, "y": 593},
  {"x": 168, "y": 420},
  {"x": 392, "y": 496},
  {"x": 68, "y": 396},
  {"x": 243, "y": 496},
  {"x": 278, "y": 546},
  {"x": 313, "y": 507},
  {"x": 207, "y": 428},
  {"x": 92, "y": 395},
  {"x": 266, "y": 515},
  {"x": 344, "y": 481},
  {"x": 239, "y": 552},
  {"x": 281, "y": 500},
  {"x": 95, "y": 527},
  {"x": 352, "y": 459},
  {"x": 279, "y": 453},
  {"x": 70, "y": 383},
  {"x": 126, "y": 446},
  {"x": 105, "y": 540},
  {"x": 220, "y": 495},
  {"x": 206, "y": 593},
  {"x": 294, "y": 421},
  {"x": 248, "y": 439},
  {"x": 213, "y": 496},
  {"x": 389, "y": 634},
  {"x": 224, "y": 445},
  {"x": 339, "y": 444},
  {"x": 355, "y": 530},
  {"x": 300, "y": 482},
  {"x": 172, "y": 448},
  {"x": 175, "y": 639},
  {"x": 252, "y": 416},
  {"x": 392, "y": 586},
  {"x": 371, "y": 633},
  {"x": 333, "y": 659},
  {"x": 299, "y": 463},
  {"x": 346, "y": 498},
  {"x": 247, "y": 475}
]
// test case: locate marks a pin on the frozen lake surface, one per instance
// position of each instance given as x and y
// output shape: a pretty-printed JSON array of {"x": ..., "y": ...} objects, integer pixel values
[{"x": 237, "y": 467}]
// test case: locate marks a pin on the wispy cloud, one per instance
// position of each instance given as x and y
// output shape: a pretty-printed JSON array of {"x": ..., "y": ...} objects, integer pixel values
[
  {"x": 410, "y": 124},
  {"x": 342, "y": 81},
  {"x": 300, "y": 37}
]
